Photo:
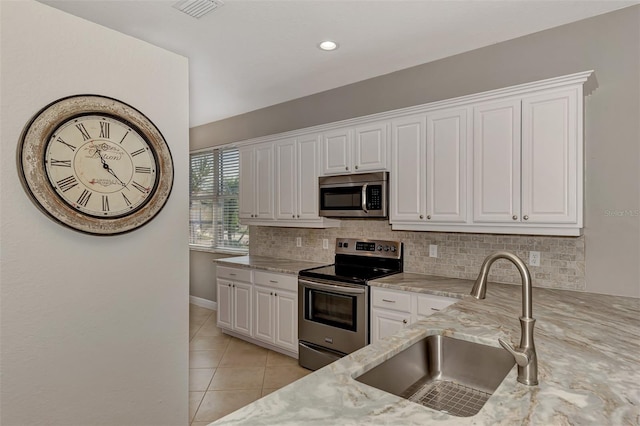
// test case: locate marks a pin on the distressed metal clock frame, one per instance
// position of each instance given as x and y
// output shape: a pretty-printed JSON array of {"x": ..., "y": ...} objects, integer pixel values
[{"x": 31, "y": 163}]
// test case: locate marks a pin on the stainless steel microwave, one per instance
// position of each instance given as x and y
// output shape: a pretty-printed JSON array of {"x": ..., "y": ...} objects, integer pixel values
[{"x": 355, "y": 195}]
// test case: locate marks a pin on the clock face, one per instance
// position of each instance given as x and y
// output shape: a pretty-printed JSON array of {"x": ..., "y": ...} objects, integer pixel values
[
  {"x": 100, "y": 166},
  {"x": 95, "y": 164}
]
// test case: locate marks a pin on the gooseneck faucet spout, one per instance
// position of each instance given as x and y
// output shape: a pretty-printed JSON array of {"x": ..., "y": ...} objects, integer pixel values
[{"x": 525, "y": 354}]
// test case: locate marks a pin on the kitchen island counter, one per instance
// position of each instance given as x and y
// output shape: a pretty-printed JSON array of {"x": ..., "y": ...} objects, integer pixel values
[{"x": 587, "y": 346}]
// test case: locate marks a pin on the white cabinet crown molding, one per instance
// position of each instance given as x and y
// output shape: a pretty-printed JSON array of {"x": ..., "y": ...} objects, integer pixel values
[{"x": 583, "y": 77}]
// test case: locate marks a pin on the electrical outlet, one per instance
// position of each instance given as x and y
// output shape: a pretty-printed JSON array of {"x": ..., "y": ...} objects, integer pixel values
[
  {"x": 325, "y": 244},
  {"x": 433, "y": 250},
  {"x": 534, "y": 258},
  {"x": 298, "y": 241}
]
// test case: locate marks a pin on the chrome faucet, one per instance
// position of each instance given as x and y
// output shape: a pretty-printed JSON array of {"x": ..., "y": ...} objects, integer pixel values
[{"x": 525, "y": 354}]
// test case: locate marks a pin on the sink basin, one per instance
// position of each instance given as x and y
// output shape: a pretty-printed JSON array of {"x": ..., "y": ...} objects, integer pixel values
[{"x": 443, "y": 373}]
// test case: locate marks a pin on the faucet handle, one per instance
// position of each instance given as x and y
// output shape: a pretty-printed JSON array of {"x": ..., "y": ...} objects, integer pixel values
[{"x": 521, "y": 357}]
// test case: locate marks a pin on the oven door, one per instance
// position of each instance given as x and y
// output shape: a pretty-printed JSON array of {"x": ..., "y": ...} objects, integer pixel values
[{"x": 333, "y": 315}]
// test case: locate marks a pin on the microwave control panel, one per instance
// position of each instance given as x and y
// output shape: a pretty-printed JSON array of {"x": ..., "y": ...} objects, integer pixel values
[{"x": 374, "y": 197}]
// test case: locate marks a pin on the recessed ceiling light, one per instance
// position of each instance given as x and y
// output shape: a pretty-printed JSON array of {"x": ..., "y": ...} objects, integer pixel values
[{"x": 328, "y": 45}]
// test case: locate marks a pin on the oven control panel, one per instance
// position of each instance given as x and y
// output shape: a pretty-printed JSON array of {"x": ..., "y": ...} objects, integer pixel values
[{"x": 376, "y": 248}]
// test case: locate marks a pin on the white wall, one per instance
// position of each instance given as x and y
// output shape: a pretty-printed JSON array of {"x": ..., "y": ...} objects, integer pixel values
[{"x": 94, "y": 330}]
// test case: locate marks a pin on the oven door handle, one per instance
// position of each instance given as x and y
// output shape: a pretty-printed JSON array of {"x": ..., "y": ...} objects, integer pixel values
[
  {"x": 364, "y": 197},
  {"x": 338, "y": 288}
]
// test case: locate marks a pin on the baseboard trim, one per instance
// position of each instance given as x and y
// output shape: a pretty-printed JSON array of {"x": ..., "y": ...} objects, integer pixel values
[{"x": 203, "y": 303}]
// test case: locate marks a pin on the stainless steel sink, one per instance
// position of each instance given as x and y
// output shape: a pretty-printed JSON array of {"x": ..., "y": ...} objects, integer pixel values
[{"x": 443, "y": 373}]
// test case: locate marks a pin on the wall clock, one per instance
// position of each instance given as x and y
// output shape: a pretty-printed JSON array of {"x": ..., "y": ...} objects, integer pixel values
[{"x": 95, "y": 164}]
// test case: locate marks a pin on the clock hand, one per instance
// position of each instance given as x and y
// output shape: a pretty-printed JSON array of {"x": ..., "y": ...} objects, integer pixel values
[{"x": 109, "y": 169}]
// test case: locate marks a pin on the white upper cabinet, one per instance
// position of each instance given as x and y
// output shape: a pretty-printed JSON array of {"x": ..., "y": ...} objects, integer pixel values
[
  {"x": 526, "y": 160},
  {"x": 370, "y": 147},
  {"x": 408, "y": 170},
  {"x": 297, "y": 165},
  {"x": 429, "y": 168},
  {"x": 447, "y": 140},
  {"x": 336, "y": 151},
  {"x": 286, "y": 179},
  {"x": 496, "y": 161},
  {"x": 256, "y": 182},
  {"x": 355, "y": 149},
  {"x": 504, "y": 161},
  {"x": 550, "y": 158}
]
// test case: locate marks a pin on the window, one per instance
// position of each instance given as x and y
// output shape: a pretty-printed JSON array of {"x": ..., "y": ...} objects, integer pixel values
[{"x": 213, "y": 201}]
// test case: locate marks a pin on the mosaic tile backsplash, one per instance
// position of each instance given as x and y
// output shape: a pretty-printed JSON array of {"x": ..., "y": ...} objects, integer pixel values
[{"x": 459, "y": 255}]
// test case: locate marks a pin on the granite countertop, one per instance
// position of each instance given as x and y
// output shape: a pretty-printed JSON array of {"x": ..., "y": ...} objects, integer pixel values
[
  {"x": 265, "y": 263},
  {"x": 587, "y": 346}
]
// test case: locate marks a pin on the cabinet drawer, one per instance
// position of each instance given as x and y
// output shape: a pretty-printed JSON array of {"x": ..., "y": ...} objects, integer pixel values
[
  {"x": 234, "y": 274},
  {"x": 270, "y": 279},
  {"x": 389, "y": 299},
  {"x": 430, "y": 304}
]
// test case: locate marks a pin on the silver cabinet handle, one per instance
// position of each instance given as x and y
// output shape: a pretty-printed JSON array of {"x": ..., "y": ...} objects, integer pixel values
[
  {"x": 233, "y": 275},
  {"x": 428, "y": 216},
  {"x": 434, "y": 309},
  {"x": 390, "y": 301},
  {"x": 514, "y": 217},
  {"x": 271, "y": 293},
  {"x": 526, "y": 217},
  {"x": 346, "y": 168},
  {"x": 356, "y": 167},
  {"x": 273, "y": 281},
  {"x": 275, "y": 294},
  {"x": 404, "y": 321},
  {"x": 421, "y": 217}
]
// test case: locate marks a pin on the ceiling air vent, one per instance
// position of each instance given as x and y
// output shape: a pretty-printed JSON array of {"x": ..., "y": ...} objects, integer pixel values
[{"x": 197, "y": 8}]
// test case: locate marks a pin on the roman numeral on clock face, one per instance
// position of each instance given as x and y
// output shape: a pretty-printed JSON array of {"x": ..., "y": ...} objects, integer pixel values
[
  {"x": 139, "y": 187},
  {"x": 104, "y": 129},
  {"x": 143, "y": 169},
  {"x": 67, "y": 183},
  {"x": 126, "y": 200},
  {"x": 60, "y": 163},
  {"x": 71, "y": 147},
  {"x": 84, "y": 198},
  {"x": 85, "y": 135},
  {"x": 105, "y": 203},
  {"x": 138, "y": 152}
]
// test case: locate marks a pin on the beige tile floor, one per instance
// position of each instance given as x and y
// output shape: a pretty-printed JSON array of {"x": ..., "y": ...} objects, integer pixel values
[{"x": 226, "y": 373}]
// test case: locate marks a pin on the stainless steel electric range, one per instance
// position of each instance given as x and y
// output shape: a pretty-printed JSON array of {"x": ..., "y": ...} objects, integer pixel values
[{"x": 333, "y": 300}]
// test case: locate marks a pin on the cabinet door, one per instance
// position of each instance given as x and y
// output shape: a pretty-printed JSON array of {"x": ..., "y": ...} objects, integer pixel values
[
  {"x": 264, "y": 315},
  {"x": 447, "y": 166},
  {"x": 264, "y": 181},
  {"x": 285, "y": 186},
  {"x": 286, "y": 323},
  {"x": 496, "y": 162},
  {"x": 242, "y": 308},
  {"x": 386, "y": 323},
  {"x": 336, "y": 151},
  {"x": 408, "y": 169},
  {"x": 308, "y": 163},
  {"x": 370, "y": 147},
  {"x": 247, "y": 179},
  {"x": 549, "y": 157},
  {"x": 225, "y": 306}
]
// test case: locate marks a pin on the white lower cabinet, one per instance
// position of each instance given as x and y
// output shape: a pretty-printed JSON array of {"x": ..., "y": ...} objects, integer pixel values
[
  {"x": 264, "y": 308},
  {"x": 393, "y": 310},
  {"x": 234, "y": 300}
]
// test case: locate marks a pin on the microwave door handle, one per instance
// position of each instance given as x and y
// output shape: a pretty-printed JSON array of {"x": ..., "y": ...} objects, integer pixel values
[{"x": 364, "y": 197}]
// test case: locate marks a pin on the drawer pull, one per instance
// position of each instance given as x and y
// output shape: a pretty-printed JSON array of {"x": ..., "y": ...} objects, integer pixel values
[
  {"x": 404, "y": 321},
  {"x": 387, "y": 300},
  {"x": 273, "y": 281},
  {"x": 233, "y": 275},
  {"x": 434, "y": 309}
]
